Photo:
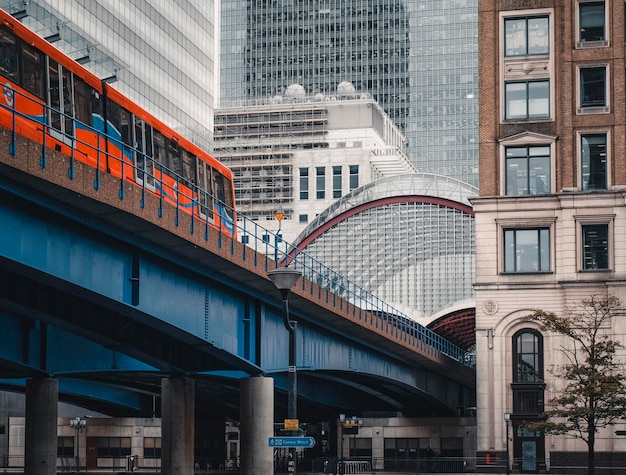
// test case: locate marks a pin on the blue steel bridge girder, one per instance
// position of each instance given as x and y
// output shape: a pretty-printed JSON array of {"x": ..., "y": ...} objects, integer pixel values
[{"x": 100, "y": 268}]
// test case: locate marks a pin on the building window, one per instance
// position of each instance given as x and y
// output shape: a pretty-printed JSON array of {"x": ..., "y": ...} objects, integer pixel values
[
  {"x": 320, "y": 183},
  {"x": 113, "y": 447},
  {"x": 595, "y": 241},
  {"x": 593, "y": 161},
  {"x": 528, "y": 170},
  {"x": 65, "y": 446},
  {"x": 360, "y": 447},
  {"x": 152, "y": 447},
  {"x": 528, "y": 357},
  {"x": 593, "y": 87},
  {"x": 527, "y": 250},
  {"x": 354, "y": 177},
  {"x": 591, "y": 22},
  {"x": 526, "y": 36},
  {"x": 303, "y": 218},
  {"x": 337, "y": 182},
  {"x": 527, "y": 99},
  {"x": 304, "y": 183}
]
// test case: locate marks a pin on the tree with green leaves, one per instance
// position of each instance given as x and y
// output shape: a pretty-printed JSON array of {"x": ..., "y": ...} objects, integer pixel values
[{"x": 594, "y": 392}]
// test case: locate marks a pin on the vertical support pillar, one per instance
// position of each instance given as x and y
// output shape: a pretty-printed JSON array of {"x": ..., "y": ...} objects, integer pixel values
[
  {"x": 177, "y": 420},
  {"x": 40, "y": 444},
  {"x": 257, "y": 426}
]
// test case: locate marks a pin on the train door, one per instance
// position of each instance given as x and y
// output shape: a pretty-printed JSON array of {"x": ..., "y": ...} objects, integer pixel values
[
  {"x": 61, "y": 107},
  {"x": 143, "y": 156}
]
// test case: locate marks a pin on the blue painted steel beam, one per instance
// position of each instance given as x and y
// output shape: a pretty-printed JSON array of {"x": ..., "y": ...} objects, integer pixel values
[{"x": 131, "y": 296}]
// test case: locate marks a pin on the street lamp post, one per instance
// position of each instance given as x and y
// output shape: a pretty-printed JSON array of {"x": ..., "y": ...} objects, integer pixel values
[
  {"x": 284, "y": 279},
  {"x": 507, "y": 420},
  {"x": 342, "y": 421},
  {"x": 78, "y": 425}
]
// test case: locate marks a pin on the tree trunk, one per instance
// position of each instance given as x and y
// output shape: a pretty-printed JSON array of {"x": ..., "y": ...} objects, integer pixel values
[{"x": 591, "y": 454}]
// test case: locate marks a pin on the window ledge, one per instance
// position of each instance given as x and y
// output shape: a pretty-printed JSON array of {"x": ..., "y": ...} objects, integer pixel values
[
  {"x": 593, "y": 110},
  {"x": 592, "y": 44},
  {"x": 526, "y": 121},
  {"x": 526, "y": 273}
]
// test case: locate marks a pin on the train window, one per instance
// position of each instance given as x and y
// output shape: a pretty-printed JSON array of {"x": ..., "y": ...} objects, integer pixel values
[
  {"x": 189, "y": 167},
  {"x": 82, "y": 96},
  {"x": 228, "y": 192},
  {"x": 120, "y": 118},
  {"x": 143, "y": 152},
  {"x": 174, "y": 158},
  {"x": 32, "y": 70},
  {"x": 159, "y": 149},
  {"x": 8, "y": 55},
  {"x": 205, "y": 192},
  {"x": 96, "y": 107},
  {"x": 219, "y": 187}
]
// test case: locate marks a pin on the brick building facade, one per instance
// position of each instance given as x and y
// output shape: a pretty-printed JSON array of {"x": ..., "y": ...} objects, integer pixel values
[{"x": 551, "y": 215}]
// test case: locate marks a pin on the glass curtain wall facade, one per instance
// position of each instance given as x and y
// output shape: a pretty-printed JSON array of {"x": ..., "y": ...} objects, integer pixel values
[
  {"x": 417, "y": 58},
  {"x": 160, "y": 54}
]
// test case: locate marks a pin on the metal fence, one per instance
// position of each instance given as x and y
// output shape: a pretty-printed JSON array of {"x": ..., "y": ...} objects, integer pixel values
[{"x": 607, "y": 464}]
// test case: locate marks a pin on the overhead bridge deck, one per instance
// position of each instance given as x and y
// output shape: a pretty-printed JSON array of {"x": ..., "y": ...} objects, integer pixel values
[{"x": 109, "y": 289}]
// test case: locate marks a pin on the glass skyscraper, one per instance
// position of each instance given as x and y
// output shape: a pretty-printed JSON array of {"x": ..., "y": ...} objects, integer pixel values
[
  {"x": 417, "y": 58},
  {"x": 159, "y": 54}
]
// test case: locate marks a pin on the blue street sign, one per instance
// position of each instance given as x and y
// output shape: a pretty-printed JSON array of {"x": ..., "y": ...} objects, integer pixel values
[{"x": 303, "y": 442}]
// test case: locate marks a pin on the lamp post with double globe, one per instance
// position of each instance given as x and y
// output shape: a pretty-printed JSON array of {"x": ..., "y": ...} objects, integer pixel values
[{"x": 78, "y": 425}]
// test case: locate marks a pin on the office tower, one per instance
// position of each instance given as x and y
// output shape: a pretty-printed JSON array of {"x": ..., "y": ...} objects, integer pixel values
[
  {"x": 417, "y": 58},
  {"x": 550, "y": 219},
  {"x": 160, "y": 54}
]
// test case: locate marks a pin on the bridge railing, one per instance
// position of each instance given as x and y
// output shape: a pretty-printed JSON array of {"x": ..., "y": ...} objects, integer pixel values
[{"x": 150, "y": 174}]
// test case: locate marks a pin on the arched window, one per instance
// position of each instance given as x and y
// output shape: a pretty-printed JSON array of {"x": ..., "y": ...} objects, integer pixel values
[{"x": 527, "y": 357}]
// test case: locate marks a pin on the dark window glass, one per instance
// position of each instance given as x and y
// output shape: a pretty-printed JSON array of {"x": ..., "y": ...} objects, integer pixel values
[
  {"x": 528, "y": 170},
  {"x": 595, "y": 246},
  {"x": 304, "y": 183},
  {"x": 152, "y": 447},
  {"x": 320, "y": 183},
  {"x": 8, "y": 55},
  {"x": 528, "y": 357},
  {"x": 360, "y": 447},
  {"x": 65, "y": 446},
  {"x": 527, "y": 250},
  {"x": 593, "y": 162},
  {"x": 354, "y": 177},
  {"x": 593, "y": 87},
  {"x": 528, "y": 401},
  {"x": 113, "y": 447},
  {"x": 592, "y": 21},
  {"x": 337, "y": 182},
  {"x": 32, "y": 70},
  {"x": 82, "y": 99}
]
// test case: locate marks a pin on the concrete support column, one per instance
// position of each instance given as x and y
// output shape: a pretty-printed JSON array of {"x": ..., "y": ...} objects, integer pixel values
[
  {"x": 177, "y": 421},
  {"x": 256, "y": 426},
  {"x": 40, "y": 445}
]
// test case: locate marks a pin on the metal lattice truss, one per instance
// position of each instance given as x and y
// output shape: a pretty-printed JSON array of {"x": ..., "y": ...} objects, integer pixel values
[{"x": 407, "y": 239}]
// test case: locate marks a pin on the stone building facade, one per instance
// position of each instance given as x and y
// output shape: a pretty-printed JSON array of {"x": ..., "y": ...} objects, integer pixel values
[{"x": 551, "y": 215}]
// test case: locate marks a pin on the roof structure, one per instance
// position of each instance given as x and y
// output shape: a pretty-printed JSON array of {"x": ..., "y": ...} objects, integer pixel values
[{"x": 408, "y": 239}]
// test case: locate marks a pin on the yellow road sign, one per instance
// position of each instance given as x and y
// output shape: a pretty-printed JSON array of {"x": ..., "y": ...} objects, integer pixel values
[{"x": 292, "y": 424}]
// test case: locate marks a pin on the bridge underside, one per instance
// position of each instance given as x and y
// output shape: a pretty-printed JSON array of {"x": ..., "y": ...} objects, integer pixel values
[{"x": 107, "y": 360}]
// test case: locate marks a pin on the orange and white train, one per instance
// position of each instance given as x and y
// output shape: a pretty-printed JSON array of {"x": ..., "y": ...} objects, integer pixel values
[{"x": 51, "y": 99}]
